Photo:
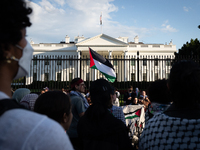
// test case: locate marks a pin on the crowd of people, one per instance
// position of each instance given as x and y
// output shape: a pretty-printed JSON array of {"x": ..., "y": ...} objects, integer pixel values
[
  {"x": 132, "y": 97},
  {"x": 94, "y": 120}
]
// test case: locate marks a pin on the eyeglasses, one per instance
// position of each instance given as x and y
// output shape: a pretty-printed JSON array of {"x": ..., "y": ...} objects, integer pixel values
[{"x": 82, "y": 84}]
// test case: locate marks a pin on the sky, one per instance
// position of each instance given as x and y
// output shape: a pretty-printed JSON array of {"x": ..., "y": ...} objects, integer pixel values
[{"x": 153, "y": 21}]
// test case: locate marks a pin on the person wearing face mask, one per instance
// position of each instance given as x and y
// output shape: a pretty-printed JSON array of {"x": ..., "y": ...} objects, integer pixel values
[
  {"x": 18, "y": 126},
  {"x": 129, "y": 96}
]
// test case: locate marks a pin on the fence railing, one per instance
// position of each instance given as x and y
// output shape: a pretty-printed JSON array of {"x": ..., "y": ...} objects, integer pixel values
[{"x": 56, "y": 72}]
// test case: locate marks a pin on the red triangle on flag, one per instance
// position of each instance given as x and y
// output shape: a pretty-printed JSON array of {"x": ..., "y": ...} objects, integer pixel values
[
  {"x": 91, "y": 60},
  {"x": 138, "y": 113}
]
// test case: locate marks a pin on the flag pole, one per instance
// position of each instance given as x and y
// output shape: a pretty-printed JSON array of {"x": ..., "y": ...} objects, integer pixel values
[{"x": 101, "y": 22}]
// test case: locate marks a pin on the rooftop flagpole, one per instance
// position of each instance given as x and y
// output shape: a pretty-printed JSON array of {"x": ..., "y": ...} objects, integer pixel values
[{"x": 101, "y": 22}]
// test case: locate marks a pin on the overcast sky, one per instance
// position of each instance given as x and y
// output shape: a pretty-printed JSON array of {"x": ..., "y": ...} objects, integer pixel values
[{"x": 154, "y": 21}]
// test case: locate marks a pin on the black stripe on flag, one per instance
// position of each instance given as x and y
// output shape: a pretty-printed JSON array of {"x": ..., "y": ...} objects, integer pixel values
[{"x": 101, "y": 59}]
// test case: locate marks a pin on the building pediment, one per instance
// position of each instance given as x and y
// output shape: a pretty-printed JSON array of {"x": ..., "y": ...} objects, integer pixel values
[{"x": 102, "y": 40}]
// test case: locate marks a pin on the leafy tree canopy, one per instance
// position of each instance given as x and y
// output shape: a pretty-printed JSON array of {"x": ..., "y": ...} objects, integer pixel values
[{"x": 190, "y": 48}]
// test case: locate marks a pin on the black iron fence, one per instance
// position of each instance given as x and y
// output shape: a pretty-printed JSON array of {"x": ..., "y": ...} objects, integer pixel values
[{"x": 56, "y": 72}]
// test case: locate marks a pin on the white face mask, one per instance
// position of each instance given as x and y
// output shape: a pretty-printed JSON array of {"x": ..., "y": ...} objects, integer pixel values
[{"x": 25, "y": 61}]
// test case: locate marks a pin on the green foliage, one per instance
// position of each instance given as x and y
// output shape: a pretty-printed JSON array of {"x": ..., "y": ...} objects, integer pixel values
[{"x": 190, "y": 48}]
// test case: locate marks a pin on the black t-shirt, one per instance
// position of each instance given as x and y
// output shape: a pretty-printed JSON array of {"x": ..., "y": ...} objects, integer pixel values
[{"x": 109, "y": 133}]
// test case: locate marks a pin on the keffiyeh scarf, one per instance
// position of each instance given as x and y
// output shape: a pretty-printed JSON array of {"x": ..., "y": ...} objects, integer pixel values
[{"x": 86, "y": 105}]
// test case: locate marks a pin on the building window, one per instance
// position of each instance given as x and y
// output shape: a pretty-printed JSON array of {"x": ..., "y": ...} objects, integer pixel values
[
  {"x": 87, "y": 76},
  {"x": 144, "y": 77},
  {"x": 70, "y": 62},
  {"x": 59, "y": 61},
  {"x": 156, "y": 76},
  {"x": 58, "y": 76},
  {"x": 46, "y": 77},
  {"x": 132, "y": 76},
  {"x": 156, "y": 62},
  {"x": 132, "y": 62},
  {"x": 35, "y": 60},
  {"x": 167, "y": 75},
  {"x": 34, "y": 76},
  {"x": 168, "y": 62},
  {"x": 87, "y": 62},
  {"x": 115, "y": 63},
  {"x": 70, "y": 76},
  {"x": 46, "y": 62},
  {"x": 144, "y": 62}
]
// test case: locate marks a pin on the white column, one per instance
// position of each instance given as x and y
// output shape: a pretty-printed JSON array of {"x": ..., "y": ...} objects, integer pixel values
[
  {"x": 147, "y": 68},
  {"x": 94, "y": 74},
  {"x": 142, "y": 71},
  {"x": 53, "y": 66},
  {"x": 43, "y": 69},
  {"x": 136, "y": 69},
  {"x": 161, "y": 68},
  {"x": 141, "y": 66},
  {"x": 125, "y": 77},
  {"x": 150, "y": 68},
  {"x": 110, "y": 54},
  {"x": 50, "y": 69},
  {"x": 153, "y": 68},
  {"x": 30, "y": 75},
  {"x": 62, "y": 69},
  {"x": 78, "y": 65},
  {"x": 40, "y": 69}
]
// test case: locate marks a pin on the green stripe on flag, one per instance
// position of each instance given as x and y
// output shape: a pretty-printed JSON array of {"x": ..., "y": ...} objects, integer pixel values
[
  {"x": 131, "y": 117},
  {"x": 94, "y": 67},
  {"x": 110, "y": 78}
]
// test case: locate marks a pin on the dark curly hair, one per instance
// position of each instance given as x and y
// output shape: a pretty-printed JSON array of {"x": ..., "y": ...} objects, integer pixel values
[
  {"x": 14, "y": 17},
  {"x": 53, "y": 104},
  {"x": 159, "y": 92},
  {"x": 184, "y": 83},
  {"x": 100, "y": 91}
]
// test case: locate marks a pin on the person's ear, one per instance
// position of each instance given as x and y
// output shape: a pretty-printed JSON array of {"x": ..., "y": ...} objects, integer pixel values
[
  {"x": 7, "y": 54},
  {"x": 65, "y": 118},
  {"x": 168, "y": 86},
  {"x": 111, "y": 96},
  {"x": 76, "y": 87}
]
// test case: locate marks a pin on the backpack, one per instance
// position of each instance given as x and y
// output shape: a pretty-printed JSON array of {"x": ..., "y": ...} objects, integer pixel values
[{"x": 8, "y": 104}]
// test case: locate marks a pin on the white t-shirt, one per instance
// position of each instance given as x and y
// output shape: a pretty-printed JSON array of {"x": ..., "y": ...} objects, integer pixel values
[
  {"x": 3, "y": 95},
  {"x": 26, "y": 130},
  {"x": 116, "y": 102}
]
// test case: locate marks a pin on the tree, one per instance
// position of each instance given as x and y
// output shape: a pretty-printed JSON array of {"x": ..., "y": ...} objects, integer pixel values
[{"x": 190, "y": 48}]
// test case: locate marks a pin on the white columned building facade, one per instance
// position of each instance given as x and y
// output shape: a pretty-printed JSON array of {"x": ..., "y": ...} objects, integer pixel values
[{"x": 66, "y": 60}]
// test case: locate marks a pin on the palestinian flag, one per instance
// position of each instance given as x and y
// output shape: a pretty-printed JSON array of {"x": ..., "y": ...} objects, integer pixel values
[
  {"x": 133, "y": 114},
  {"x": 102, "y": 64}
]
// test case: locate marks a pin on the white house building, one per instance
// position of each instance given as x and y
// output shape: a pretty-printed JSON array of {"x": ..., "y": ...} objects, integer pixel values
[{"x": 131, "y": 60}]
